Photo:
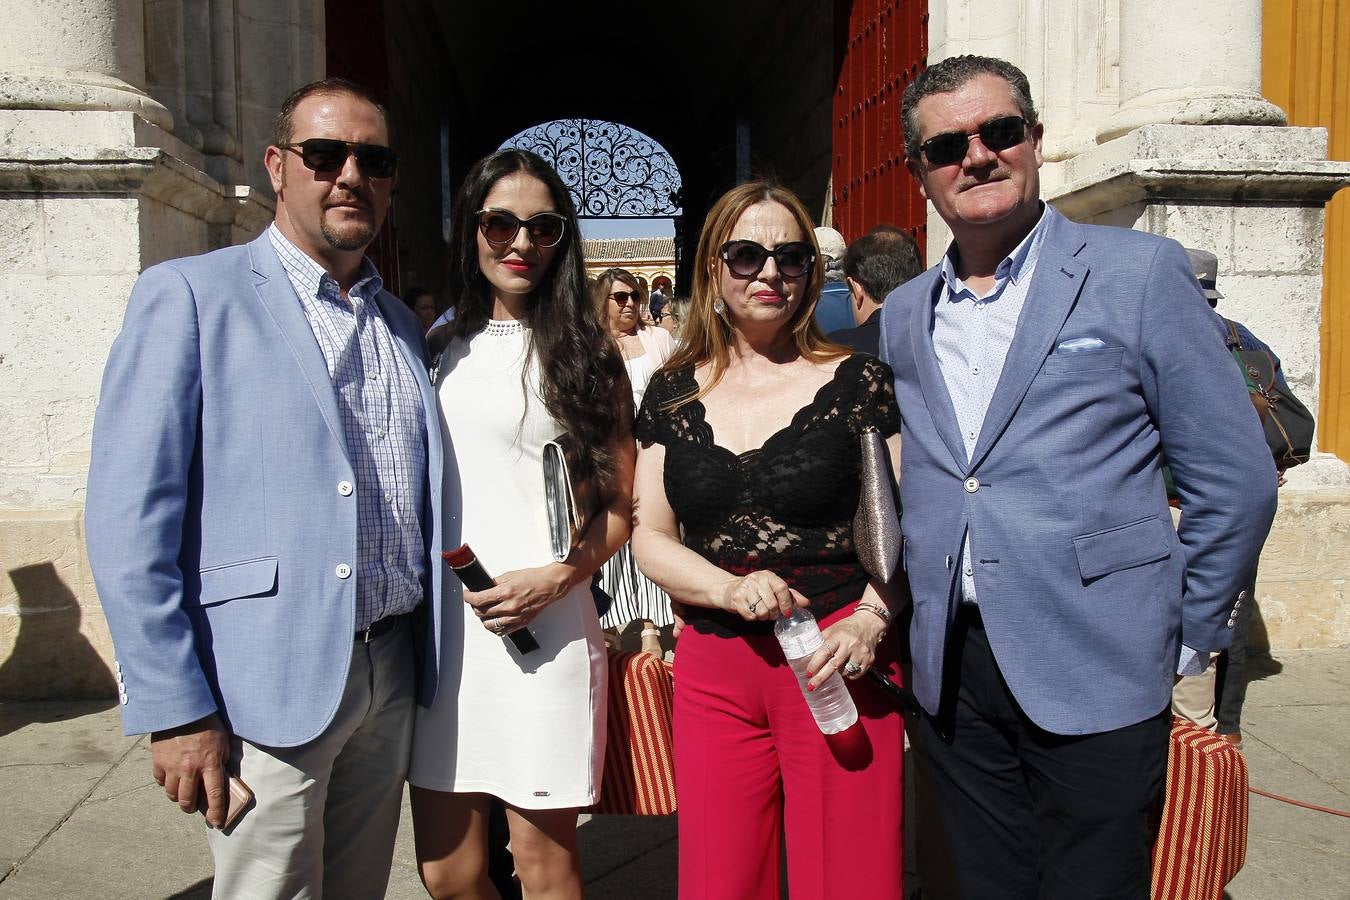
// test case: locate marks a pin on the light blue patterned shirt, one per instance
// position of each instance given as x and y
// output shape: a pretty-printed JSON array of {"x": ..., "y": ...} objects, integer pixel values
[
  {"x": 971, "y": 337},
  {"x": 383, "y": 421}
]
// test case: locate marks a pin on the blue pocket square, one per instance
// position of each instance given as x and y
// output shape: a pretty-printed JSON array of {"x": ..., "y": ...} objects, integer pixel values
[{"x": 1077, "y": 345}]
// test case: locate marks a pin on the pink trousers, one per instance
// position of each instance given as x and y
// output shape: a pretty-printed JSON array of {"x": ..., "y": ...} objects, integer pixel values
[{"x": 751, "y": 766}]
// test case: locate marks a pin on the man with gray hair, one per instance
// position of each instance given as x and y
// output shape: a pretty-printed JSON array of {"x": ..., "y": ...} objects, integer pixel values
[{"x": 1043, "y": 369}]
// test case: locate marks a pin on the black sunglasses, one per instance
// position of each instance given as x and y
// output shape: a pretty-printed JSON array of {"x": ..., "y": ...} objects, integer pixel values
[
  {"x": 998, "y": 134},
  {"x": 626, "y": 296},
  {"x": 327, "y": 155},
  {"x": 745, "y": 259},
  {"x": 500, "y": 227}
]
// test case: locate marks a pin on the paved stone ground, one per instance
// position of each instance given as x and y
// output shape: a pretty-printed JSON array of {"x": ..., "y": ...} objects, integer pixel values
[{"x": 81, "y": 817}]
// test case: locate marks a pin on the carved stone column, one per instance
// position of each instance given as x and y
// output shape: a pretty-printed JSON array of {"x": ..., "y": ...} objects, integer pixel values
[
  {"x": 166, "y": 69},
  {"x": 76, "y": 55},
  {"x": 1190, "y": 64}
]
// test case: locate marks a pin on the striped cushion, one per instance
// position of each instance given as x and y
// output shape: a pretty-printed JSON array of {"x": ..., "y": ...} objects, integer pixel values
[
  {"x": 1202, "y": 839},
  {"x": 639, "y": 776}
]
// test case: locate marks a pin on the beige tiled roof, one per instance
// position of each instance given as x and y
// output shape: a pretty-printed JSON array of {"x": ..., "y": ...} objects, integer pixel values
[{"x": 657, "y": 248}]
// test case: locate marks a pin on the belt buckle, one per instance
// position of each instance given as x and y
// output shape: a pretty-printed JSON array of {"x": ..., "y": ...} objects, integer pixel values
[{"x": 365, "y": 633}]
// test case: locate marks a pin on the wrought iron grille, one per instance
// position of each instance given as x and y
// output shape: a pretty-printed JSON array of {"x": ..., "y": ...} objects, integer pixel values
[{"x": 610, "y": 170}]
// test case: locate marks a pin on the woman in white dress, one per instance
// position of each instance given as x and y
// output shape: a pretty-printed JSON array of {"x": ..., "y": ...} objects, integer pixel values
[
  {"x": 528, "y": 359},
  {"x": 618, "y": 301}
]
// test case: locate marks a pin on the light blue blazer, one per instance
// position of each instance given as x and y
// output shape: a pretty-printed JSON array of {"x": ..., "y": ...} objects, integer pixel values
[
  {"x": 1086, "y": 591},
  {"x": 215, "y": 523}
]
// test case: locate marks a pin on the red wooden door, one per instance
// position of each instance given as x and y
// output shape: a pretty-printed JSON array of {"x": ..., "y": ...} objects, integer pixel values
[{"x": 883, "y": 45}]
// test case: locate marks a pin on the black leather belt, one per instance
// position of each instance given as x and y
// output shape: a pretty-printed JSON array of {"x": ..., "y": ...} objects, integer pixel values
[{"x": 378, "y": 629}]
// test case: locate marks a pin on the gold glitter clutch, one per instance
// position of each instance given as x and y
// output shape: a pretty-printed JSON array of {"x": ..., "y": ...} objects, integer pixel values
[{"x": 876, "y": 524}]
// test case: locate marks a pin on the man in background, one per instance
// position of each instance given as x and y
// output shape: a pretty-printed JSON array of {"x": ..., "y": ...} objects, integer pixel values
[
  {"x": 1214, "y": 698},
  {"x": 875, "y": 265}
]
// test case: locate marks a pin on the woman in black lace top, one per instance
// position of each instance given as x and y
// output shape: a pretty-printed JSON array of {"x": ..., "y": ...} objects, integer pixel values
[{"x": 746, "y": 487}]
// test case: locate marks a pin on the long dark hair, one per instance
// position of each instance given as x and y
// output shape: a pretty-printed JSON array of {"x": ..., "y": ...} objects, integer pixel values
[{"x": 581, "y": 375}]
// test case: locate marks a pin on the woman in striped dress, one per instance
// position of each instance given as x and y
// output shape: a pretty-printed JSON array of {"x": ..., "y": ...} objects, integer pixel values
[{"x": 618, "y": 297}]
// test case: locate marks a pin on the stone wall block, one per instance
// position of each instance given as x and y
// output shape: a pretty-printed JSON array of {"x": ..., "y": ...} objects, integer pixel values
[
  {"x": 1131, "y": 215},
  {"x": 23, "y": 440},
  {"x": 57, "y": 331},
  {"x": 167, "y": 233},
  {"x": 69, "y": 430},
  {"x": 20, "y": 235},
  {"x": 1284, "y": 311},
  {"x": 52, "y": 538},
  {"x": 1302, "y": 583},
  {"x": 46, "y": 437},
  {"x": 1271, "y": 239},
  {"x": 1201, "y": 226},
  {"x": 37, "y": 488},
  {"x": 90, "y": 235},
  {"x": 1302, "y": 615}
]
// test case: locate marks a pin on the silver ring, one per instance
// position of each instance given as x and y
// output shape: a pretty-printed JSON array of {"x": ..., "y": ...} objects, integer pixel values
[
  {"x": 493, "y": 624},
  {"x": 752, "y": 607},
  {"x": 852, "y": 669}
]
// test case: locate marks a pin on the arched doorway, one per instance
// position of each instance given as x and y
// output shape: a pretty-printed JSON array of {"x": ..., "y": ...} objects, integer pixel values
[{"x": 626, "y": 188}]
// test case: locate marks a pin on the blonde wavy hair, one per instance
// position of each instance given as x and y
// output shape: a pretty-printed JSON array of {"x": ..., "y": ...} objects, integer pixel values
[{"x": 705, "y": 337}]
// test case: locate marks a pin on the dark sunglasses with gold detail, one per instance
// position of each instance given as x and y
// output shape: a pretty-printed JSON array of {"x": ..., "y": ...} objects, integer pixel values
[
  {"x": 950, "y": 147},
  {"x": 328, "y": 155},
  {"x": 745, "y": 259},
  {"x": 501, "y": 227}
]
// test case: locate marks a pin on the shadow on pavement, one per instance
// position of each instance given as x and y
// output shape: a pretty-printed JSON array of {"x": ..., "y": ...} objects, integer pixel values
[
  {"x": 1259, "y": 667},
  {"x": 199, "y": 891},
  {"x": 51, "y": 659}
]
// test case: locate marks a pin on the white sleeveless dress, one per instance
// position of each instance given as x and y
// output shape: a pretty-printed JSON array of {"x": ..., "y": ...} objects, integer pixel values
[{"x": 528, "y": 728}]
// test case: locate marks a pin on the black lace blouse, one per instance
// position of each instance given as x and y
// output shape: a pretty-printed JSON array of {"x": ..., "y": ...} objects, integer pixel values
[{"x": 786, "y": 507}]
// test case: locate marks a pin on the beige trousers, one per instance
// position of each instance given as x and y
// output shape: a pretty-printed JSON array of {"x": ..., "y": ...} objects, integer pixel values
[
  {"x": 1193, "y": 698},
  {"x": 1193, "y": 695},
  {"x": 327, "y": 811}
]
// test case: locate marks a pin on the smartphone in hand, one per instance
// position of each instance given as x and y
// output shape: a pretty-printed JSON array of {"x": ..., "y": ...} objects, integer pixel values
[{"x": 241, "y": 798}]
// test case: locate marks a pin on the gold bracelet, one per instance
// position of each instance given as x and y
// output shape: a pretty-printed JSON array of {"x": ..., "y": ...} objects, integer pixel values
[{"x": 879, "y": 611}]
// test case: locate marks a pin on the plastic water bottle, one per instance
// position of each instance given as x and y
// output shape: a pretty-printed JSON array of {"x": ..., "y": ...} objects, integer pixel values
[{"x": 831, "y": 704}]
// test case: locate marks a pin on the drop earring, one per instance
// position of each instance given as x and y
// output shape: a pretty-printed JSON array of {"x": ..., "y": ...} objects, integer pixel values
[{"x": 719, "y": 307}]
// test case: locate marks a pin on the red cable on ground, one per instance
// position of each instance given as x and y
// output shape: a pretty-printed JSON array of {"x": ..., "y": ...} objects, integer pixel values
[{"x": 1300, "y": 803}]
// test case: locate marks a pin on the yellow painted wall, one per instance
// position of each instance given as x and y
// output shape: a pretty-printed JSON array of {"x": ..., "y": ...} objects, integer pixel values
[{"x": 1306, "y": 71}]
